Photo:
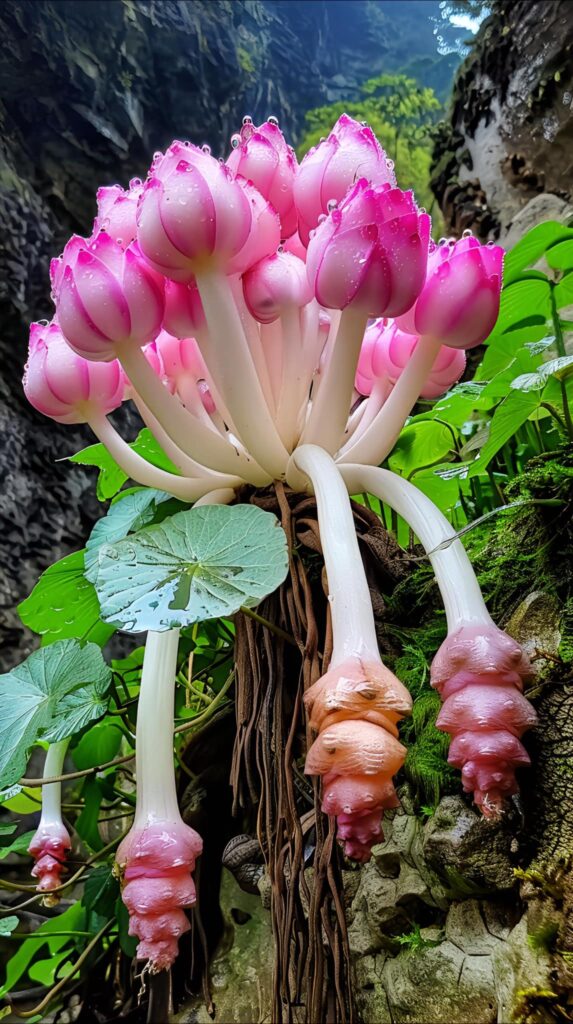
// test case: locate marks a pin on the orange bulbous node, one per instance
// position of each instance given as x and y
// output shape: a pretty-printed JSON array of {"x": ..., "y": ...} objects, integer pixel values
[{"x": 354, "y": 708}]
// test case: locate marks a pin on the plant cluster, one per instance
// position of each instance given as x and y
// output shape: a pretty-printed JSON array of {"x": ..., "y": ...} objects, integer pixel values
[{"x": 274, "y": 324}]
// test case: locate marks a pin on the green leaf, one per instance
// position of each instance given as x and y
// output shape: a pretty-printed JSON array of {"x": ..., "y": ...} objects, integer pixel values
[
  {"x": 521, "y": 300},
  {"x": 563, "y": 292},
  {"x": 64, "y": 604},
  {"x": 111, "y": 478},
  {"x": 101, "y": 891},
  {"x": 419, "y": 445},
  {"x": 509, "y": 416},
  {"x": 46, "y": 971},
  {"x": 87, "y": 822},
  {"x": 146, "y": 445},
  {"x": 8, "y": 924},
  {"x": 532, "y": 246},
  {"x": 130, "y": 513},
  {"x": 127, "y": 942},
  {"x": 50, "y": 696},
  {"x": 98, "y": 745},
  {"x": 20, "y": 844},
  {"x": 7, "y": 829},
  {"x": 71, "y": 920},
  {"x": 199, "y": 564},
  {"x": 560, "y": 256}
]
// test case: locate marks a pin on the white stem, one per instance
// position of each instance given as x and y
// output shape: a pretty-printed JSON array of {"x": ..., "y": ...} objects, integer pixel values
[
  {"x": 370, "y": 409},
  {"x": 150, "y": 476},
  {"x": 456, "y": 579},
  {"x": 331, "y": 406},
  {"x": 52, "y": 793},
  {"x": 196, "y": 440},
  {"x": 187, "y": 466},
  {"x": 293, "y": 371},
  {"x": 272, "y": 345},
  {"x": 376, "y": 443},
  {"x": 312, "y": 344},
  {"x": 253, "y": 335},
  {"x": 353, "y": 627},
  {"x": 237, "y": 377},
  {"x": 156, "y": 792}
]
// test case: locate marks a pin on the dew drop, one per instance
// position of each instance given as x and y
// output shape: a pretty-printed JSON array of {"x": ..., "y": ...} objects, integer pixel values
[
  {"x": 331, "y": 205},
  {"x": 442, "y": 241},
  {"x": 273, "y": 120},
  {"x": 364, "y": 124},
  {"x": 490, "y": 244},
  {"x": 247, "y": 119},
  {"x": 468, "y": 233},
  {"x": 206, "y": 149}
]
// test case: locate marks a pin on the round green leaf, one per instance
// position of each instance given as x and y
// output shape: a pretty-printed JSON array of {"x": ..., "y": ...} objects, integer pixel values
[{"x": 202, "y": 563}]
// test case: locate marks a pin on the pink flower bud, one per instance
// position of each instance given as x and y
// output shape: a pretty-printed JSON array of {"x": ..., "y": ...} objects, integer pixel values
[
  {"x": 116, "y": 212},
  {"x": 351, "y": 151},
  {"x": 295, "y": 245},
  {"x": 193, "y": 213},
  {"x": 262, "y": 156},
  {"x": 479, "y": 672},
  {"x": 459, "y": 303},
  {"x": 49, "y": 848},
  {"x": 184, "y": 314},
  {"x": 183, "y": 366},
  {"x": 370, "y": 251},
  {"x": 264, "y": 235},
  {"x": 105, "y": 296},
  {"x": 157, "y": 861},
  {"x": 61, "y": 384},
  {"x": 275, "y": 283},
  {"x": 393, "y": 348}
]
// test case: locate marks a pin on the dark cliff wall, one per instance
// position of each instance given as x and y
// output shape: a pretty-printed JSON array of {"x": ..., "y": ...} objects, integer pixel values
[
  {"x": 509, "y": 135},
  {"x": 88, "y": 90}
]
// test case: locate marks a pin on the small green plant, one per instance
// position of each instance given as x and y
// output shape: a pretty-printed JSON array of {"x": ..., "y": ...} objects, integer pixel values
[{"x": 414, "y": 941}]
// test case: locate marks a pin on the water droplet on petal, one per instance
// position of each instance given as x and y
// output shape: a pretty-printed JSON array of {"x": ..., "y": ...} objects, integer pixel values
[
  {"x": 206, "y": 149},
  {"x": 247, "y": 119},
  {"x": 468, "y": 233},
  {"x": 273, "y": 120},
  {"x": 331, "y": 205}
]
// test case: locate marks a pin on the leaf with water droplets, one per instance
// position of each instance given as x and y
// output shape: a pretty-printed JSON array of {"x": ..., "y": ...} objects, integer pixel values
[
  {"x": 203, "y": 563},
  {"x": 50, "y": 696}
]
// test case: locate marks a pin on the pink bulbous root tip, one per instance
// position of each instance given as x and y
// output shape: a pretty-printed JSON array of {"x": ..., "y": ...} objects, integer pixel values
[
  {"x": 49, "y": 848},
  {"x": 479, "y": 672},
  {"x": 355, "y": 707},
  {"x": 156, "y": 862}
]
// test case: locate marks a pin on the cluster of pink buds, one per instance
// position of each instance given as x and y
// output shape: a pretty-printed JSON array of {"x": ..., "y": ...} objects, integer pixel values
[{"x": 278, "y": 321}]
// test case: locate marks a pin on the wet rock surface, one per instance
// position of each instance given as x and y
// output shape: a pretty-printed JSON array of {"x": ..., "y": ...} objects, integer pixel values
[{"x": 509, "y": 136}]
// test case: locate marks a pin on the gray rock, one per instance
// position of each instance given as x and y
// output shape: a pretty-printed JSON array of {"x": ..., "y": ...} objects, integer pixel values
[
  {"x": 516, "y": 966},
  {"x": 467, "y": 929},
  {"x": 543, "y": 207},
  {"x": 469, "y": 853},
  {"x": 440, "y": 985},
  {"x": 535, "y": 624}
]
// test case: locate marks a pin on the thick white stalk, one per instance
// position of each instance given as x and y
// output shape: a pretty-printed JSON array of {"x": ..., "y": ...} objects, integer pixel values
[
  {"x": 312, "y": 345},
  {"x": 237, "y": 377},
  {"x": 353, "y": 627},
  {"x": 456, "y": 579},
  {"x": 187, "y": 466},
  {"x": 253, "y": 335},
  {"x": 293, "y": 372},
  {"x": 52, "y": 793},
  {"x": 150, "y": 476},
  {"x": 377, "y": 442},
  {"x": 196, "y": 440},
  {"x": 369, "y": 409},
  {"x": 272, "y": 345},
  {"x": 331, "y": 405},
  {"x": 156, "y": 792}
]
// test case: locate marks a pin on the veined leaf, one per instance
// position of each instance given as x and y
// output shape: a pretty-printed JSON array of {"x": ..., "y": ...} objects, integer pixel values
[
  {"x": 111, "y": 478},
  {"x": 509, "y": 416},
  {"x": 131, "y": 513},
  {"x": 419, "y": 445},
  {"x": 20, "y": 844},
  {"x": 50, "y": 696},
  {"x": 72, "y": 919},
  {"x": 560, "y": 255},
  {"x": 522, "y": 300},
  {"x": 64, "y": 605},
  {"x": 199, "y": 564},
  {"x": 8, "y": 924},
  {"x": 532, "y": 246}
]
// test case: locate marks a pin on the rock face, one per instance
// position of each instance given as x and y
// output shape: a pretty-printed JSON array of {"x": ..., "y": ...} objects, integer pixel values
[
  {"x": 89, "y": 89},
  {"x": 510, "y": 133}
]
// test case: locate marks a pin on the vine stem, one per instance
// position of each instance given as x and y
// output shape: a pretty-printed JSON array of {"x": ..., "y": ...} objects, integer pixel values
[{"x": 62, "y": 983}]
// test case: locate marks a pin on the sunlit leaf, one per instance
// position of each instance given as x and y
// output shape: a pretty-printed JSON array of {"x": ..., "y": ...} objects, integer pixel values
[
  {"x": 532, "y": 246},
  {"x": 52, "y": 694},
  {"x": 509, "y": 416},
  {"x": 71, "y": 919},
  {"x": 111, "y": 478},
  {"x": 98, "y": 745},
  {"x": 199, "y": 564},
  {"x": 64, "y": 604},
  {"x": 420, "y": 444},
  {"x": 20, "y": 844}
]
